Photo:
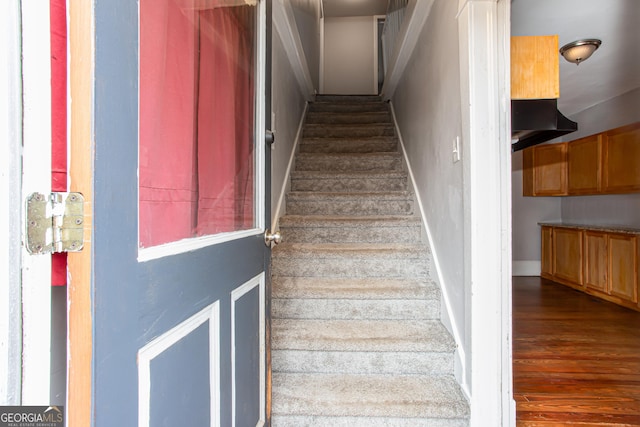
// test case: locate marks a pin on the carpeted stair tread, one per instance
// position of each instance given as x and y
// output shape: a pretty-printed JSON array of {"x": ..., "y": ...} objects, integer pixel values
[
  {"x": 343, "y": 203},
  {"x": 349, "y": 181},
  {"x": 360, "y": 335},
  {"x": 343, "y": 162},
  {"x": 356, "y": 229},
  {"x": 373, "y": 298},
  {"x": 320, "y": 420},
  {"x": 350, "y": 260},
  {"x": 330, "y": 221},
  {"x": 351, "y": 250},
  {"x": 337, "y": 195},
  {"x": 365, "y": 174},
  {"x": 392, "y": 396},
  {"x": 336, "y": 98},
  {"x": 349, "y": 145},
  {"x": 356, "y": 117},
  {"x": 363, "y": 362},
  {"x": 348, "y": 130},
  {"x": 348, "y": 107},
  {"x": 353, "y": 288}
]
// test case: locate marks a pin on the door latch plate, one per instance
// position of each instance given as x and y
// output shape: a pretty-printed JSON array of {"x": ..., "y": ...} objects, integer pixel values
[{"x": 55, "y": 223}]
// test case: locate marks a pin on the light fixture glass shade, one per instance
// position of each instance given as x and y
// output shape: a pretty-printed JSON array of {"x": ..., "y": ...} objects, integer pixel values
[{"x": 579, "y": 50}]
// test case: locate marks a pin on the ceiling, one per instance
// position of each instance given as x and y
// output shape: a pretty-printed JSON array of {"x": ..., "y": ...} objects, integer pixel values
[
  {"x": 335, "y": 8},
  {"x": 613, "y": 69}
]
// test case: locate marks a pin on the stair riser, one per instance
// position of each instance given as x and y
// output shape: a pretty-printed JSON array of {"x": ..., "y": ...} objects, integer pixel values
[
  {"x": 336, "y": 98},
  {"x": 350, "y": 267},
  {"x": 348, "y": 118},
  {"x": 400, "y": 234},
  {"x": 346, "y": 146},
  {"x": 348, "y": 163},
  {"x": 278, "y": 420},
  {"x": 338, "y": 362},
  {"x": 329, "y": 206},
  {"x": 355, "y": 309},
  {"x": 348, "y": 184},
  {"x": 368, "y": 107},
  {"x": 331, "y": 131}
]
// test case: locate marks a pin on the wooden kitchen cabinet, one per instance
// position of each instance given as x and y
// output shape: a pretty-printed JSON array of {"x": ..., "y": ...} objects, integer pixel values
[
  {"x": 584, "y": 165},
  {"x": 567, "y": 255},
  {"x": 547, "y": 252},
  {"x": 545, "y": 170},
  {"x": 621, "y": 159},
  {"x": 604, "y": 163},
  {"x": 623, "y": 267},
  {"x": 601, "y": 261},
  {"x": 596, "y": 260},
  {"x": 535, "y": 68}
]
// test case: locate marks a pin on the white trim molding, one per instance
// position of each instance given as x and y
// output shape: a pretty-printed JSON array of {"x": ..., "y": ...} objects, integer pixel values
[
  {"x": 153, "y": 349},
  {"x": 36, "y": 177},
  {"x": 483, "y": 38},
  {"x": 236, "y": 294},
  {"x": 526, "y": 268},
  {"x": 10, "y": 197},
  {"x": 284, "y": 22}
]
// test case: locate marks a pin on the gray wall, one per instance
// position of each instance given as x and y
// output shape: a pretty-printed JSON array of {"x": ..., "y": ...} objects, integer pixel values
[
  {"x": 287, "y": 104},
  {"x": 307, "y": 15},
  {"x": 527, "y": 212},
  {"x": 620, "y": 209},
  {"x": 349, "y": 56},
  {"x": 427, "y": 105}
]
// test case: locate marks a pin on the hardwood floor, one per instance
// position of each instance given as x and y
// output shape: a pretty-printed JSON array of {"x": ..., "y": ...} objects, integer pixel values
[{"x": 576, "y": 359}]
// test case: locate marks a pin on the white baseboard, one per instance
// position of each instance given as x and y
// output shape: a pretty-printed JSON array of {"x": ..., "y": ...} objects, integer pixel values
[{"x": 526, "y": 268}]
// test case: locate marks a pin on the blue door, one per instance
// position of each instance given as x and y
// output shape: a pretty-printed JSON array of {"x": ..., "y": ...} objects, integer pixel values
[{"x": 178, "y": 192}]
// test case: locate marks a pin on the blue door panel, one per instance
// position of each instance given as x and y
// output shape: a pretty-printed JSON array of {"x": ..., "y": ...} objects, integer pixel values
[{"x": 134, "y": 302}]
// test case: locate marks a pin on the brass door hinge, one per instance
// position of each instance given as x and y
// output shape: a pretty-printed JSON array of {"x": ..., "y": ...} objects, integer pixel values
[{"x": 55, "y": 223}]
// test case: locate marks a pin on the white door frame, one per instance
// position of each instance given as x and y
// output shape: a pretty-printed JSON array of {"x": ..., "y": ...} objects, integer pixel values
[
  {"x": 483, "y": 28},
  {"x": 36, "y": 177},
  {"x": 10, "y": 198}
]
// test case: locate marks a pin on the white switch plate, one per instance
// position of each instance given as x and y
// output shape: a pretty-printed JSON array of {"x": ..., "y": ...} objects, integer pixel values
[{"x": 456, "y": 149}]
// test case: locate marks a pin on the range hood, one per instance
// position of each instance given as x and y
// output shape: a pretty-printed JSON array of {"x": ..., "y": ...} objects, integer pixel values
[{"x": 534, "y": 121}]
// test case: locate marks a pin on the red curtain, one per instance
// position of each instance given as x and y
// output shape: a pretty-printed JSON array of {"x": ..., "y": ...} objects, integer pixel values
[{"x": 196, "y": 120}]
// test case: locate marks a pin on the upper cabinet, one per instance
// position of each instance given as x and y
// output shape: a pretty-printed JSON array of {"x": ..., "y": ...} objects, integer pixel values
[
  {"x": 534, "y": 67},
  {"x": 605, "y": 163},
  {"x": 621, "y": 159},
  {"x": 584, "y": 165},
  {"x": 545, "y": 170}
]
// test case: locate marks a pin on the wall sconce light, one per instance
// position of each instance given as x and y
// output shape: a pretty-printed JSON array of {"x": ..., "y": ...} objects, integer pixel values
[{"x": 579, "y": 50}]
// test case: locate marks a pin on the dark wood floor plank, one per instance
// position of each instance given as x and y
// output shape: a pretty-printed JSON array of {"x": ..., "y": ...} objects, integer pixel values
[{"x": 576, "y": 359}]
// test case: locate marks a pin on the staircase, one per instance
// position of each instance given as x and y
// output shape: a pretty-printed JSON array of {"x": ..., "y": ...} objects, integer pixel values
[{"x": 356, "y": 335}]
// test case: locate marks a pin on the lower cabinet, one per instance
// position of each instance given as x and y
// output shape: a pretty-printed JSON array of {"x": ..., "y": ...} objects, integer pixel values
[
  {"x": 603, "y": 263},
  {"x": 623, "y": 267},
  {"x": 596, "y": 261}
]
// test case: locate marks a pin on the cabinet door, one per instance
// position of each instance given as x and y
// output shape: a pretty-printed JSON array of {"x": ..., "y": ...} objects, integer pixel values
[
  {"x": 567, "y": 255},
  {"x": 623, "y": 273},
  {"x": 595, "y": 267},
  {"x": 550, "y": 170},
  {"x": 547, "y": 252},
  {"x": 621, "y": 159},
  {"x": 584, "y": 165}
]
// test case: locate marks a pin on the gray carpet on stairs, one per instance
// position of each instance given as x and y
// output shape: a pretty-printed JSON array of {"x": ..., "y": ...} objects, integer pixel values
[{"x": 356, "y": 334}]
